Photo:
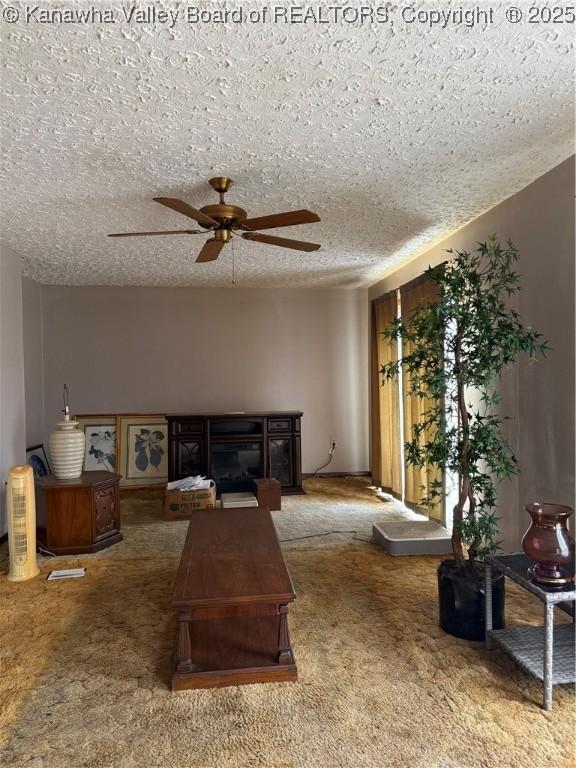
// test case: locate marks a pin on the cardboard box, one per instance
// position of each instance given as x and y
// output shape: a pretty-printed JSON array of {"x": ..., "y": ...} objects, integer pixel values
[{"x": 179, "y": 505}]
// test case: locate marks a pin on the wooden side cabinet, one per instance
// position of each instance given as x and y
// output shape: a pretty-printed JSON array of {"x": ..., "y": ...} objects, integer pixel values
[{"x": 82, "y": 515}]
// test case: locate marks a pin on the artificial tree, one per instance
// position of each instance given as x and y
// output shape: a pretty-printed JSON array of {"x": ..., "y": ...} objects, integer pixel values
[{"x": 461, "y": 343}]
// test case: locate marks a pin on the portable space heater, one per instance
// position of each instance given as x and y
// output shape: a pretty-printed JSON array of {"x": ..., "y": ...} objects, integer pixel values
[{"x": 21, "y": 524}]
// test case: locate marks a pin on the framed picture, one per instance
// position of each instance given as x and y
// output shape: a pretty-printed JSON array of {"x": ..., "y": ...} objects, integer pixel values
[
  {"x": 37, "y": 459},
  {"x": 100, "y": 433},
  {"x": 142, "y": 450}
]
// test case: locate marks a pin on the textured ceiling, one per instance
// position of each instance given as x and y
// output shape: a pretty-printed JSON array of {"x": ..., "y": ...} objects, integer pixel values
[{"x": 396, "y": 134}]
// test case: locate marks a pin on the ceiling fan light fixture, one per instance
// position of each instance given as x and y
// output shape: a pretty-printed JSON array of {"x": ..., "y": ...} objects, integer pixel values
[{"x": 222, "y": 235}]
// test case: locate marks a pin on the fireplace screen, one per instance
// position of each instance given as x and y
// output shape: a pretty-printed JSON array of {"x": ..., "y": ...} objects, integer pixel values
[{"x": 234, "y": 465}]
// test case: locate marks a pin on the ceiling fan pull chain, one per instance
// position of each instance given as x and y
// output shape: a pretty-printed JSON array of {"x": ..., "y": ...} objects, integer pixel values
[{"x": 233, "y": 264}]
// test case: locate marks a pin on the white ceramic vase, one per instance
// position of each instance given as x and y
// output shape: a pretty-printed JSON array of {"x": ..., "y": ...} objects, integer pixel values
[{"x": 66, "y": 446}]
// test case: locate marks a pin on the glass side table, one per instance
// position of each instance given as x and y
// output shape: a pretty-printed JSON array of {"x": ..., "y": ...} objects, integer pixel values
[{"x": 548, "y": 653}]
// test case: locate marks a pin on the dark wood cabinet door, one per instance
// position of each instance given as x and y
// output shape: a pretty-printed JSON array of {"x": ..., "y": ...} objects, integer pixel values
[
  {"x": 189, "y": 458},
  {"x": 281, "y": 460}
]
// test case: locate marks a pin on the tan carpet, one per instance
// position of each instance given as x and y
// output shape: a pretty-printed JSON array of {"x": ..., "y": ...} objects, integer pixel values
[{"x": 85, "y": 663}]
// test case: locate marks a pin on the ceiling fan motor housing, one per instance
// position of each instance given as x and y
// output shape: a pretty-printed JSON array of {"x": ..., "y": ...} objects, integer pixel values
[{"x": 225, "y": 215}]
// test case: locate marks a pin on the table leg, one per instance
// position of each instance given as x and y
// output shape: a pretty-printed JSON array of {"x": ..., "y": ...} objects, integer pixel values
[
  {"x": 548, "y": 653},
  {"x": 487, "y": 604},
  {"x": 284, "y": 648},
  {"x": 184, "y": 649}
]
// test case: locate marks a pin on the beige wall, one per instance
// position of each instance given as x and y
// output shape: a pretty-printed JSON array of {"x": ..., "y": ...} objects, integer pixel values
[
  {"x": 12, "y": 412},
  {"x": 170, "y": 350},
  {"x": 33, "y": 361},
  {"x": 538, "y": 398}
]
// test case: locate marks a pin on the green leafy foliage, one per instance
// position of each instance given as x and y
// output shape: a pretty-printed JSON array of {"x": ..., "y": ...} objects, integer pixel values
[{"x": 459, "y": 347}]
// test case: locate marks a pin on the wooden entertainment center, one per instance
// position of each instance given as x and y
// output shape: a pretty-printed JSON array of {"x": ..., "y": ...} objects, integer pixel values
[{"x": 236, "y": 448}]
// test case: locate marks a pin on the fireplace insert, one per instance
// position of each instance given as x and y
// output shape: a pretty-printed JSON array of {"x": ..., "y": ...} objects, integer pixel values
[{"x": 233, "y": 466}]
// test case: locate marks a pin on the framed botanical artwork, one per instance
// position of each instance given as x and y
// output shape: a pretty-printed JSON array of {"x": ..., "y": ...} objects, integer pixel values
[
  {"x": 100, "y": 433},
  {"x": 37, "y": 459},
  {"x": 142, "y": 450}
]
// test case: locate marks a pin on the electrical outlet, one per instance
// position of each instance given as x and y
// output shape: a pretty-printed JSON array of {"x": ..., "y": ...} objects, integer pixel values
[{"x": 332, "y": 444}]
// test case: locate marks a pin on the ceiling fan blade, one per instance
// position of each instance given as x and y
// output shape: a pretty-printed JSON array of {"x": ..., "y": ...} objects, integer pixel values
[
  {"x": 288, "y": 219},
  {"x": 164, "y": 232},
  {"x": 283, "y": 242},
  {"x": 181, "y": 207},
  {"x": 210, "y": 251}
]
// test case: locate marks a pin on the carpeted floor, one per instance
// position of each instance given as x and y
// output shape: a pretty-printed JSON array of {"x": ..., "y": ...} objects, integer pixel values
[{"x": 85, "y": 664}]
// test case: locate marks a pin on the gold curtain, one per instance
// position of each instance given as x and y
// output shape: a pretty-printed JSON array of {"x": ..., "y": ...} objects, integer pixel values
[
  {"x": 417, "y": 480},
  {"x": 385, "y": 412}
]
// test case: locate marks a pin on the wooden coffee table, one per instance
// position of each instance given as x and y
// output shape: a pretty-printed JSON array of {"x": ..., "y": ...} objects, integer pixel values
[{"x": 232, "y": 594}]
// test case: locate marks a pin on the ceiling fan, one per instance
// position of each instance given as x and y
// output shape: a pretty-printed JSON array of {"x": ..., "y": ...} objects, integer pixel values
[{"x": 225, "y": 220}]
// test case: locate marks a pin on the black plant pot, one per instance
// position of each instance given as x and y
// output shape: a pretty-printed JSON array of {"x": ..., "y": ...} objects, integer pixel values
[{"x": 461, "y": 593}]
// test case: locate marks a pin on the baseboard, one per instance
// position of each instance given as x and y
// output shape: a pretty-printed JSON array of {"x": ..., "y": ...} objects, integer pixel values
[{"x": 306, "y": 475}]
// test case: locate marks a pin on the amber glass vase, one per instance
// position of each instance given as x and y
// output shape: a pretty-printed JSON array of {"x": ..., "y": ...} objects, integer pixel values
[{"x": 549, "y": 543}]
